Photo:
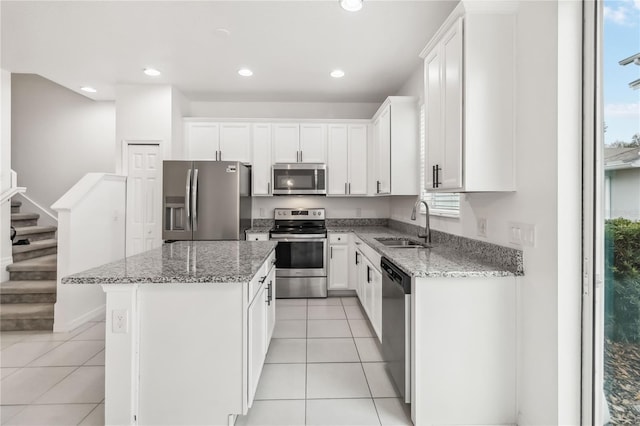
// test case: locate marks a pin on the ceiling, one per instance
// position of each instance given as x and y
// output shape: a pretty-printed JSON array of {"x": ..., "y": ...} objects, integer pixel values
[{"x": 291, "y": 46}]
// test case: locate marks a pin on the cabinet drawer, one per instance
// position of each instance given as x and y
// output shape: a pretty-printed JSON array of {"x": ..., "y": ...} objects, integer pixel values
[
  {"x": 257, "y": 236},
  {"x": 261, "y": 276},
  {"x": 338, "y": 238}
]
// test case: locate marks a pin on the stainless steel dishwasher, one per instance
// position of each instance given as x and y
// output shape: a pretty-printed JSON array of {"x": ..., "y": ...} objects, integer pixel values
[{"x": 396, "y": 325}]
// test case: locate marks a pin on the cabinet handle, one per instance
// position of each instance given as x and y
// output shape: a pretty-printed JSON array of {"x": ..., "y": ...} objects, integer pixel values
[
  {"x": 269, "y": 293},
  {"x": 301, "y": 156},
  {"x": 268, "y": 187},
  {"x": 368, "y": 274},
  {"x": 330, "y": 252},
  {"x": 357, "y": 263},
  {"x": 349, "y": 187},
  {"x": 263, "y": 279},
  {"x": 438, "y": 168},
  {"x": 345, "y": 188},
  {"x": 433, "y": 176},
  {"x": 377, "y": 187}
]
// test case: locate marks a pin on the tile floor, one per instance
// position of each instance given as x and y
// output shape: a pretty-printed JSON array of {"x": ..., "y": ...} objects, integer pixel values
[
  {"x": 323, "y": 368},
  {"x": 53, "y": 378}
]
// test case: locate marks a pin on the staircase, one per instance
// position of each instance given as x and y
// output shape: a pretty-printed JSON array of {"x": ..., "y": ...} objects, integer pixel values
[{"x": 26, "y": 301}]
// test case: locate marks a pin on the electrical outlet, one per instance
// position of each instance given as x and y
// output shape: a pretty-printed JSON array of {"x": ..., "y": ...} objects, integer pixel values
[
  {"x": 522, "y": 234},
  {"x": 261, "y": 212},
  {"x": 120, "y": 321},
  {"x": 515, "y": 233},
  {"x": 482, "y": 227}
]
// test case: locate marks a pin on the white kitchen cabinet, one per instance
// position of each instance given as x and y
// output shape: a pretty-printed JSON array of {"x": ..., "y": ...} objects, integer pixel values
[
  {"x": 257, "y": 340},
  {"x": 347, "y": 159},
  {"x": 286, "y": 142},
  {"x": 235, "y": 142},
  {"x": 395, "y": 147},
  {"x": 338, "y": 262},
  {"x": 469, "y": 81},
  {"x": 299, "y": 143},
  {"x": 369, "y": 284},
  {"x": 202, "y": 140},
  {"x": 257, "y": 236},
  {"x": 313, "y": 143},
  {"x": 261, "y": 164},
  {"x": 217, "y": 141},
  {"x": 271, "y": 304}
]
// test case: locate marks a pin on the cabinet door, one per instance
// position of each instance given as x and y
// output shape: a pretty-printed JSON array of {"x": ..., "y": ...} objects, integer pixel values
[
  {"x": 261, "y": 165},
  {"x": 451, "y": 174},
  {"x": 359, "y": 276},
  {"x": 286, "y": 143},
  {"x": 271, "y": 306},
  {"x": 339, "y": 267},
  {"x": 257, "y": 340},
  {"x": 368, "y": 288},
  {"x": 313, "y": 143},
  {"x": 235, "y": 142},
  {"x": 376, "y": 302},
  {"x": 357, "y": 160},
  {"x": 257, "y": 236},
  {"x": 383, "y": 151},
  {"x": 338, "y": 164},
  {"x": 201, "y": 141},
  {"x": 433, "y": 116}
]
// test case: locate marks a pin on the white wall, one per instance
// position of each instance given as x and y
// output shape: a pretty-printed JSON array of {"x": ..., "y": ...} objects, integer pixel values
[
  {"x": 297, "y": 110},
  {"x": 336, "y": 207},
  {"x": 548, "y": 163},
  {"x": 144, "y": 113},
  {"x": 91, "y": 232},
  {"x": 625, "y": 193},
  {"x": 57, "y": 137},
  {"x": 5, "y": 172}
]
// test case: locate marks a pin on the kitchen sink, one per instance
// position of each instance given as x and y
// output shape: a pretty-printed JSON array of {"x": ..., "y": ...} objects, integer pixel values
[{"x": 401, "y": 243}]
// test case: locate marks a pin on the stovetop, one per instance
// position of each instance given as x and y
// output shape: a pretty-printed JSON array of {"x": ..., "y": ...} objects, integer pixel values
[{"x": 299, "y": 221}]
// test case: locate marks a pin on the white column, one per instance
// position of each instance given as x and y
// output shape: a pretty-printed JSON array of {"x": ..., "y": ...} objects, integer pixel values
[{"x": 5, "y": 172}]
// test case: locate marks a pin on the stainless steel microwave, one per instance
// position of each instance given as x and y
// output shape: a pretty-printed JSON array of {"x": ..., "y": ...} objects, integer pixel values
[{"x": 299, "y": 179}]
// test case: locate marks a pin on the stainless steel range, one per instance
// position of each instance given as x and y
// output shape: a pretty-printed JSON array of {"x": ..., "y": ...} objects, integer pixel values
[{"x": 301, "y": 265}]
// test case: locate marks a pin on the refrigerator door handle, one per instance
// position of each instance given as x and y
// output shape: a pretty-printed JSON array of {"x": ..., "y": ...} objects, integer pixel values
[
  {"x": 187, "y": 198},
  {"x": 194, "y": 199}
]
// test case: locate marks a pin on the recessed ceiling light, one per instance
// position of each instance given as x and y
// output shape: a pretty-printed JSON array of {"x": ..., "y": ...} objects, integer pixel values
[
  {"x": 351, "y": 5},
  {"x": 88, "y": 89},
  {"x": 152, "y": 72},
  {"x": 245, "y": 72},
  {"x": 337, "y": 73},
  {"x": 223, "y": 32}
]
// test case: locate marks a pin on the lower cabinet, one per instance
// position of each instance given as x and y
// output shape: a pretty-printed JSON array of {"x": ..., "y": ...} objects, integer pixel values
[
  {"x": 339, "y": 266},
  {"x": 369, "y": 286},
  {"x": 261, "y": 320}
]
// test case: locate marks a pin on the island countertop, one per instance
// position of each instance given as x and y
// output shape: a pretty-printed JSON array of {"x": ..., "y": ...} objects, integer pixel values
[{"x": 183, "y": 262}]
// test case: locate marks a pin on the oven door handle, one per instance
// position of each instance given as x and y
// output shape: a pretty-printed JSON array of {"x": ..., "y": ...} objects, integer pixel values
[{"x": 297, "y": 237}]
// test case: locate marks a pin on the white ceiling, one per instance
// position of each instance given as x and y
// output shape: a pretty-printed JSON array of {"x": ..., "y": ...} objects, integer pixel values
[{"x": 291, "y": 46}]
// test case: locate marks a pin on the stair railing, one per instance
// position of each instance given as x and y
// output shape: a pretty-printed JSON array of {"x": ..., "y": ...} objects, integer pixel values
[
  {"x": 13, "y": 188},
  {"x": 91, "y": 232}
]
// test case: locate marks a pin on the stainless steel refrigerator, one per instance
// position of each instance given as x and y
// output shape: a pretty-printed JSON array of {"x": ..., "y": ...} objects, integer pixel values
[{"x": 205, "y": 200}]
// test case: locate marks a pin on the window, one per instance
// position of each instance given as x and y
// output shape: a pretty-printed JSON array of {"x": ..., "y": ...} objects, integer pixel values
[{"x": 440, "y": 203}]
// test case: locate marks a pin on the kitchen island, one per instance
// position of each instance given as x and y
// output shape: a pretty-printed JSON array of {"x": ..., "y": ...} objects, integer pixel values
[{"x": 187, "y": 330}]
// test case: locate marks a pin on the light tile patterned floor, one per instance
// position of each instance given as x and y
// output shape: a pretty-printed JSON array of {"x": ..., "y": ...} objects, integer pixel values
[
  {"x": 323, "y": 368},
  {"x": 53, "y": 379}
]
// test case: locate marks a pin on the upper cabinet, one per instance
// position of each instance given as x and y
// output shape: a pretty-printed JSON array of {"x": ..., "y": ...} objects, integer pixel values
[
  {"x": 299, "y": 143},
  {"x": 218, "y": 141},
  {"x": 395, "y": 147},
  {"x": 347, "y": 159},
  {"x": 469, "y": 77},
  {"x": 261, "y": 170}
]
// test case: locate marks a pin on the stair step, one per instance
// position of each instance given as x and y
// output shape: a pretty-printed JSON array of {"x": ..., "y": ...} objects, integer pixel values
[
  {"x": 15, "y": 206},
  {"x": 26, "y": 316},
  {"x": 27, "y": 311},
  {"x": 36, "y": 248},
  {"x": 36, "y": 233},
  {"x": 20, "y": 220},
  {"x": 28, "y": 292},
  {"x": 38, "y": 264}
]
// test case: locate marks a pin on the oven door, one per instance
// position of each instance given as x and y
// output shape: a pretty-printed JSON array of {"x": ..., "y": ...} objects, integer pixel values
[
  {"x": 300, "y": 256},
  {"x": 303, "y": 179}
]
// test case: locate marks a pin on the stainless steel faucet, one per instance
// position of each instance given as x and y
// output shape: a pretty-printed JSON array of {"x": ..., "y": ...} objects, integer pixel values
[{"x": 427, "y": 227}]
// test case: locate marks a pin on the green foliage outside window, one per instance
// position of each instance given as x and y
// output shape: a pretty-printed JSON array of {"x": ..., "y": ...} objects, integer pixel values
[{"x": 622, "y": 280}]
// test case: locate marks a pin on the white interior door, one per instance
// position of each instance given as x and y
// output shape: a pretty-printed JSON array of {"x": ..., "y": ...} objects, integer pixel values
[{"x": 144, "y": 203}]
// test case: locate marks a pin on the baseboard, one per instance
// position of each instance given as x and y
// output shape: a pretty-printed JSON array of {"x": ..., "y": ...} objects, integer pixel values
[
  {"x": 97, "y": 313},
  {"x": 4, "y": 262}
]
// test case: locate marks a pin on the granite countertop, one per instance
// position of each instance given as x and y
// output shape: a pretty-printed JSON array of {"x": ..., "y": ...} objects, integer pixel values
[
  {"x": 258, "y": 229},
  {"x": 444, "y": 259},
  {"x": 183, "y": 262}
]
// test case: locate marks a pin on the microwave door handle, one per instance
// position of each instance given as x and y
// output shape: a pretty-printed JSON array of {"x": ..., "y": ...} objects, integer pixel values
[
  {"x": 194, "y": 200},
  {"x": 187, "y": 198}
]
